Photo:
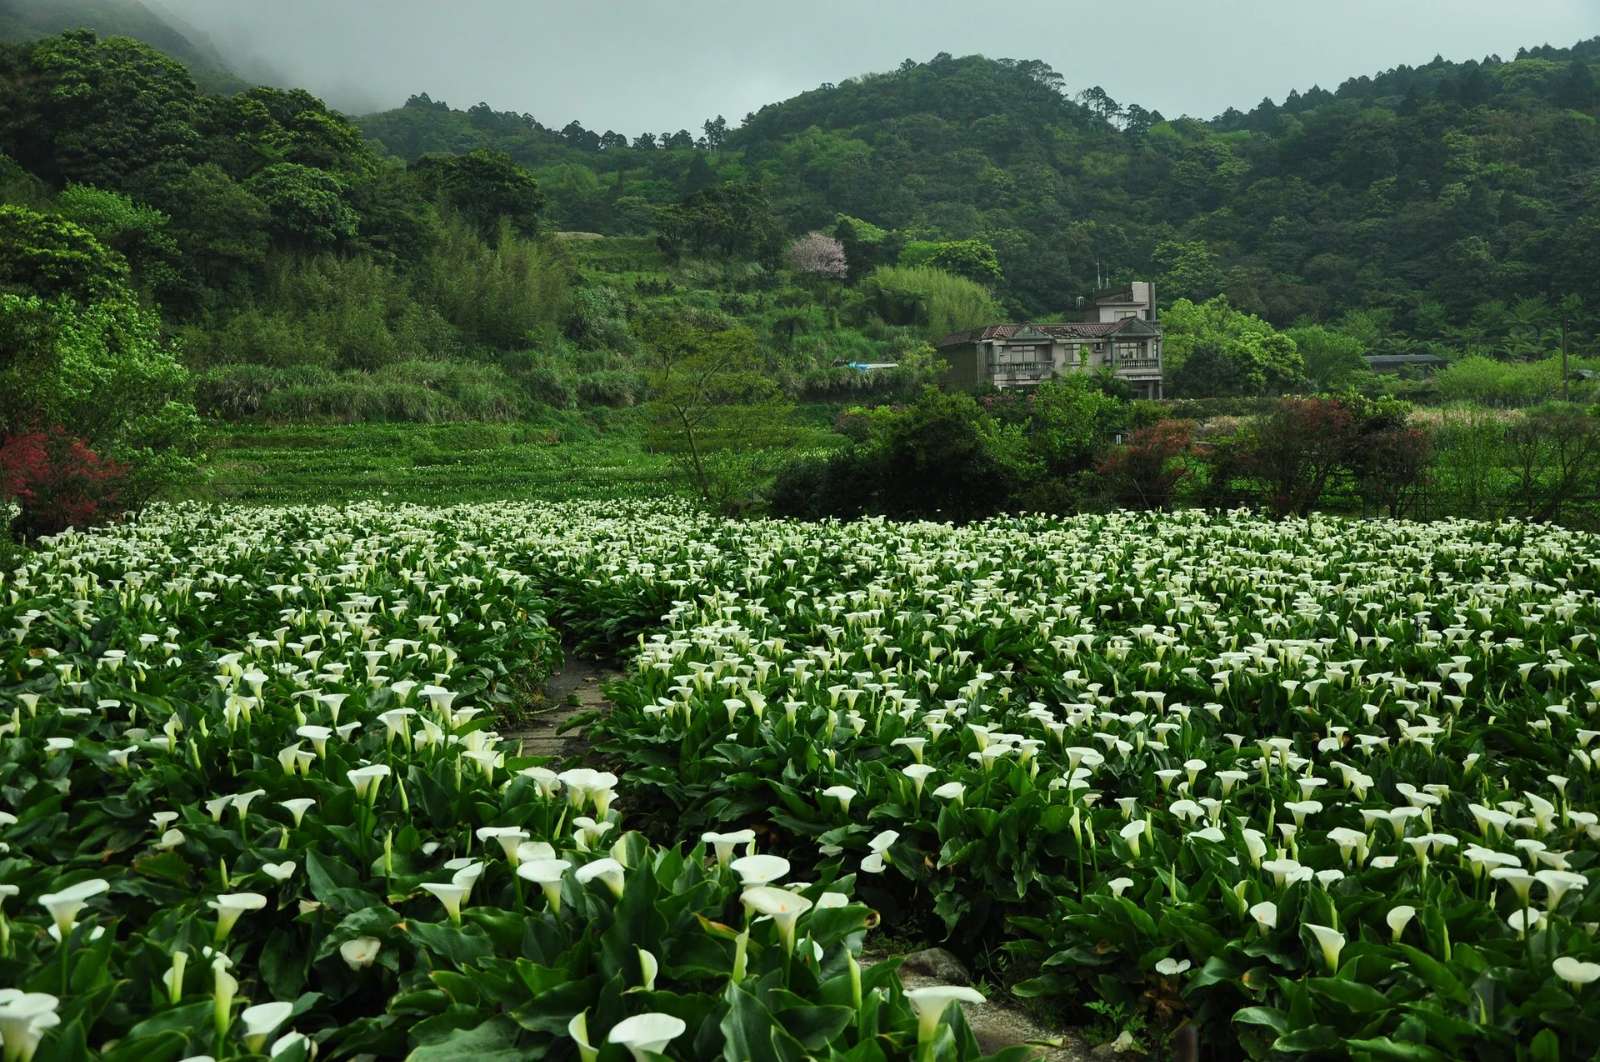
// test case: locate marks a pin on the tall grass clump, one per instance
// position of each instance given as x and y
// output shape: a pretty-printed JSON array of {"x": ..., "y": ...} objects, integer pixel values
[
  {"x": 412, "y": 391},
  {"x": 499, "y": 293},
  {"x": 929, "y": 299}
]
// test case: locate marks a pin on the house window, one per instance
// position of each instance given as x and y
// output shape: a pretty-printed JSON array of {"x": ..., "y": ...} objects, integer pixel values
[
  {"x": 1123, "y": 315},
  {"x": 1018, "y": 358},
  {"x": 1129, "y": 352}
]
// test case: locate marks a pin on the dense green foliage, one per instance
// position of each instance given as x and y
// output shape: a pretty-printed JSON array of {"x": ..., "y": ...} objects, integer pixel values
[
  {"x": 1076, "y": 444},
  {"x": 309, "y": 277},
  {"x": 946, "y": 457},
  {"x": 306, "y": 276},
  {"x": 268, "y": 233},
  {"x": 272, "y": 235},
  {"x": 102, "y": 371},
  {"x": 78, "y": 352},
  {"x": 1213, "y": 349},
  {"x": 928, "y": 298}
]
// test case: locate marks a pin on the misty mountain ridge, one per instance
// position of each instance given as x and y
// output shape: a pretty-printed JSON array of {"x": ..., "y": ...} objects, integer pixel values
[{"x": 26, "y": 20}]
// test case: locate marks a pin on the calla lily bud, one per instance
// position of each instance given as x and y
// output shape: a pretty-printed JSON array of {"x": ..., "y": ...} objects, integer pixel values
[
  {"x": 741, "y": 949},
  {"x": 261, "y": 1021},
  {"x": 1331, "y": 941},
  {"x": 174, "y": 977},
  {"x": 223, "y": 988},
  {"x": 578, "y": 1029},
  {"x": 648, "y": 968},
  {"x": 1398, "y": 918}
]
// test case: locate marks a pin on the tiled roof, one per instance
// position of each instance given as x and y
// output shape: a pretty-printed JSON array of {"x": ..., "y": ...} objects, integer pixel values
[{"x": 1070, "y": 330}]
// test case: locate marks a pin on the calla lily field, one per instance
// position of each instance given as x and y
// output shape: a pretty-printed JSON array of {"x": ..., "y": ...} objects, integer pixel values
[{"x": 1315, "y": 787}]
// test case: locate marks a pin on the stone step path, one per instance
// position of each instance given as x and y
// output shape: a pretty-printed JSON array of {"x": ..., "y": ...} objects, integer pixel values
[{"x": 570, "y": 692}]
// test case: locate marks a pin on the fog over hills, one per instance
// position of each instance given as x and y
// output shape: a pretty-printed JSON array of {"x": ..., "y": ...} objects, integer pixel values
[
  {"x": 156, "y": 26},
  {"x": 650, "y": 65}
]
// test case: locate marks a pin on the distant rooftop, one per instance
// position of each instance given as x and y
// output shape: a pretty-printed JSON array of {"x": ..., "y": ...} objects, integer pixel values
[
  {"x": 1397, "y": 361},
  {"x": 1069, "y": 330}
]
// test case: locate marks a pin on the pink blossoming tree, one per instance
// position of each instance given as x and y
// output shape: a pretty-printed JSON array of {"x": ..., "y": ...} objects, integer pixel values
[{"x": 816, "y": 255}]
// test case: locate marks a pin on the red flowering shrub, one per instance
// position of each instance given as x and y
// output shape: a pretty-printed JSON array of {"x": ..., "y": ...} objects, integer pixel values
[
  {"x": 58, "y": 481},
  {"x": 1144, "y": 472},
  {"x": 1391, "y": 467},
  {"x": 1298, "y": 448}
]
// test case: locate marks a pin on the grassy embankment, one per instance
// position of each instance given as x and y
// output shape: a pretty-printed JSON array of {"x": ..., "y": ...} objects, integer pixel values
[{"x": 564, "y": 455}]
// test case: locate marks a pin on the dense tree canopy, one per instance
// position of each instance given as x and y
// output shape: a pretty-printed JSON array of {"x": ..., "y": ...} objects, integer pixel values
[
  {"x": 77, "y": 108},
  {"x": 484, "y": 186},
  {"x": 198, "y": 193},
  {"x": 51, "y": 256},
  {"x": 1214, "y": 349},
  {"x": 728, "y": 220}
]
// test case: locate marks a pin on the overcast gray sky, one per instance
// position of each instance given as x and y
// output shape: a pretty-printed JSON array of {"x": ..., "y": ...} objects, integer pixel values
[{"x": 636, "y": 65}]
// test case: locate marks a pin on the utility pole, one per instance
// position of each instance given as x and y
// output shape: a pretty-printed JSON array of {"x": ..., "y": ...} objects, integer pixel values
[{"x": 1566, "y": 377}]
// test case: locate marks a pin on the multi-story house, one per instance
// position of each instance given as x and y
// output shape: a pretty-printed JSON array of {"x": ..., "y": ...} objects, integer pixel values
[{"x": 1119, "y": 333}]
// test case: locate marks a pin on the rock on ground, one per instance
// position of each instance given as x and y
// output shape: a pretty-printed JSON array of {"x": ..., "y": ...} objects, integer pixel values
[{"x": 997, "y": 1023}]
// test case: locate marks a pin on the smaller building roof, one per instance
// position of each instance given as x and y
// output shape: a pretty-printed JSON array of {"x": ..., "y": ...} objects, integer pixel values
[{"x": 1395, "y": 361}]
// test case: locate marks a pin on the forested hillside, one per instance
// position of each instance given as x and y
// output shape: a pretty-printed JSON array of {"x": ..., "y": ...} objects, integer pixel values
[
  {"x": 282, "y": 253},
  {"x": 302, "y": 274},
  {"x": 1456, "y": 201},
  {"x": 434, "y": 264}
]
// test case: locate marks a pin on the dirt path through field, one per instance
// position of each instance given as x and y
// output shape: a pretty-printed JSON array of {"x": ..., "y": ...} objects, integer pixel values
[{"x": 570, "y": 692}]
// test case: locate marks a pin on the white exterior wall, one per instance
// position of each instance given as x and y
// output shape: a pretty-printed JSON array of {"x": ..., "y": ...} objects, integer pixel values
[{"x": 1143, "y": 303}]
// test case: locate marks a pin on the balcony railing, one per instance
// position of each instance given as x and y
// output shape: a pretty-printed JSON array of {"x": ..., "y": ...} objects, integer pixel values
[{"x": 1138, "y": 365}]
